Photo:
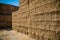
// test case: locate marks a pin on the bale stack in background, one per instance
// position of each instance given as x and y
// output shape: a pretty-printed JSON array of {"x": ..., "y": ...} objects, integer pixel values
[
  {"x": 38, "y": 19},
  {"x": 6, "y": 15}
]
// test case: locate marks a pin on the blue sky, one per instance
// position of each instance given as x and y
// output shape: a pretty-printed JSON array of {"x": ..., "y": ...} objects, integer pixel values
[{"x": 11, "y": 2}]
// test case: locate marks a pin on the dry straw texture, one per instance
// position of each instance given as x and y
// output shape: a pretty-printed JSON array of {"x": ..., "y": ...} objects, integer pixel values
[{"x": 38, "y": 19}]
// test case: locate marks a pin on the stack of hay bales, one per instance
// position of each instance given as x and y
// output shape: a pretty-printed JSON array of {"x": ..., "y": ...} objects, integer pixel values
[
  {"x": 6, "y": 15},
  {"x": 38, "y": 19},
  {"x": 5, "y": 21}
]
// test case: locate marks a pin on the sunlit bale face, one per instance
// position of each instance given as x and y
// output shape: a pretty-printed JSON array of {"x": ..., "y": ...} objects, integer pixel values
[{"x": 38, "y": 19}]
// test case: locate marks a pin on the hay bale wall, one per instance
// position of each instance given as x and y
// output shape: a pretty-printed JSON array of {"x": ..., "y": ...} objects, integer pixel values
[{"x": 38, "y": 19}]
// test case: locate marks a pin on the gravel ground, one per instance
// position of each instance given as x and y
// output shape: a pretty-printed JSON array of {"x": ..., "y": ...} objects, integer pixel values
[{"x": 13, "y": 35}]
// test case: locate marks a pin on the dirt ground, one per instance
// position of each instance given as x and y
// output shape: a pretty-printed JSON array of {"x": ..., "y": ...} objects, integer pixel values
[{"x": 13, "y": 35}]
